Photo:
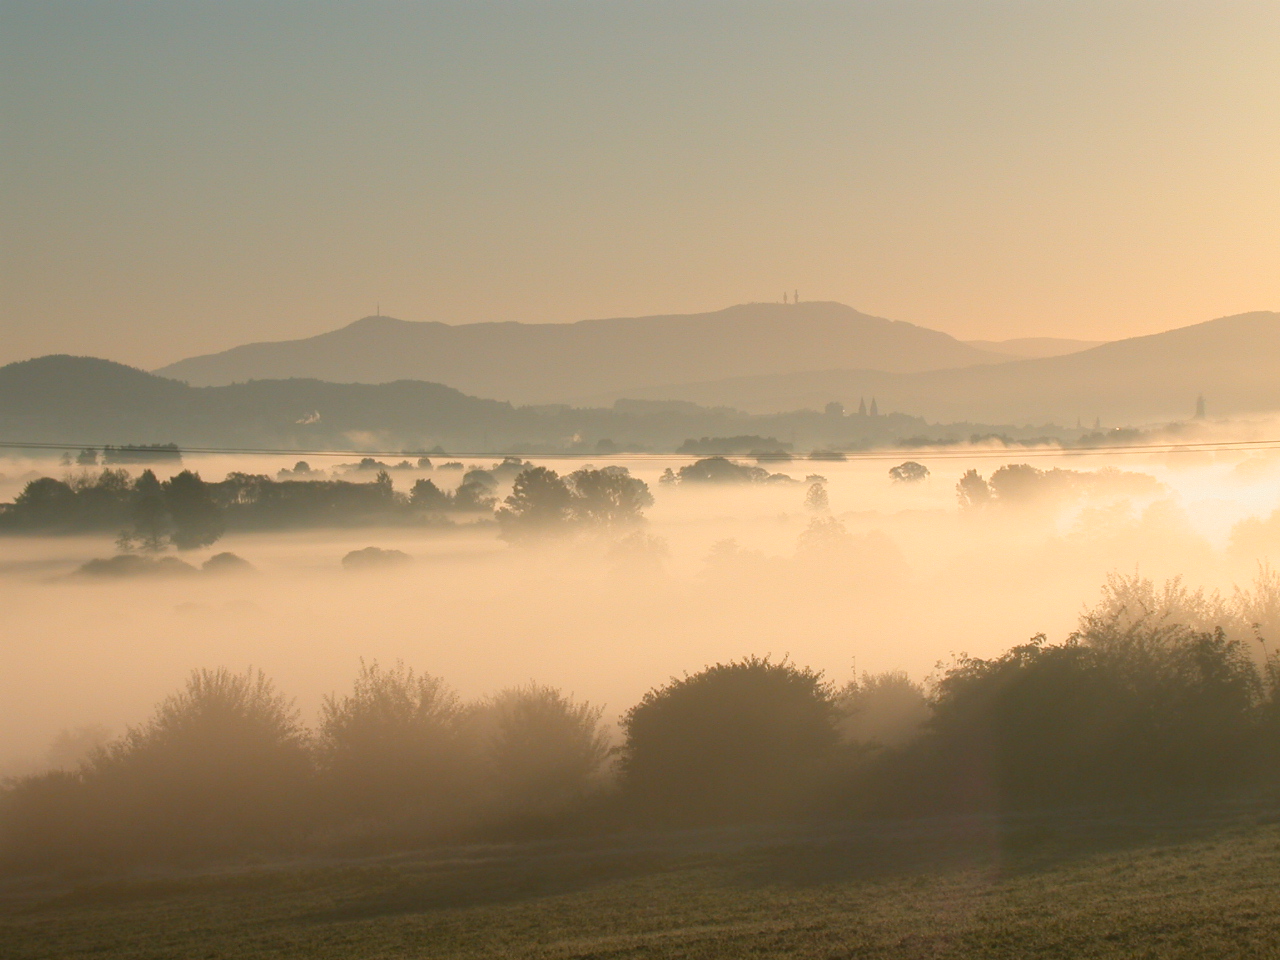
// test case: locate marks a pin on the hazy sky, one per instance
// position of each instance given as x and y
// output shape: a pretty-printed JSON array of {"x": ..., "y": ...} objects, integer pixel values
[{"x": 182, "y": 177}]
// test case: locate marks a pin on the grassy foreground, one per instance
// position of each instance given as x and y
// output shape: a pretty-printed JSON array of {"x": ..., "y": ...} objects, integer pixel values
[{"x": 1199, "y": 884}]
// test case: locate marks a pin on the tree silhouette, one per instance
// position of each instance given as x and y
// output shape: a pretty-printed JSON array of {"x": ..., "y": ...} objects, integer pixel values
[
  {"x": 738, "y": 739},
  {"x": 196, "y": 519}
]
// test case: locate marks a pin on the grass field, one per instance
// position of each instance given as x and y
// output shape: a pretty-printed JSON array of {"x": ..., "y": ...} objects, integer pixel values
[{"x": 1202, "y": 883}]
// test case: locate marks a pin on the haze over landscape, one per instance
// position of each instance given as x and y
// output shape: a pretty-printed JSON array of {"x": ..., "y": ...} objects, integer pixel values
[{"x": 639, "y": 480}]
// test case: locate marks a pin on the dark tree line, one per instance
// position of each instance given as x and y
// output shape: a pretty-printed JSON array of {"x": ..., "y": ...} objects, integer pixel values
[{"x": 188, "y": 512}]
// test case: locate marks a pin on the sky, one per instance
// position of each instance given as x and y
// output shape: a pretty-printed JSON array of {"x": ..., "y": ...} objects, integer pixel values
[{"x": 177, "y": 178}]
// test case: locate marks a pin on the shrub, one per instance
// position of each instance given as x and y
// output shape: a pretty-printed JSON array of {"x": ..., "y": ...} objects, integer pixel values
[
  {"x": 222, "y": 765},
  {"x": 541, "y": 751},
  {"x": 375, "y": 558},
  {"x": 391, "y": 745},
  {"x": 887, "y": 709},
  {"x": 737, "y": 740},
  {"x": 1115, "y": 710}
]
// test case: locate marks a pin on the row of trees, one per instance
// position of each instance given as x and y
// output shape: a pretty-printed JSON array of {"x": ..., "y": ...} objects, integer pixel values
[
  {"x": 1023, "y": 484},
  {"x": 542, "y": 502},
  {"x": 1136, "y": 703},
  {"x": 188, "y": 512}
]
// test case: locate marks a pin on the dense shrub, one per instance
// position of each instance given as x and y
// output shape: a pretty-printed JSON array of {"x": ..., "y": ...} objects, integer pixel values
[
  {"x": 885, "y": 709},
  {"x": 1115, "y": 710},
  {"x": 738, "y": 740},
  {"x": 391, "y": 747},
  {"x": 541, "y": 752},
  {"x": 220, "y": 766}
]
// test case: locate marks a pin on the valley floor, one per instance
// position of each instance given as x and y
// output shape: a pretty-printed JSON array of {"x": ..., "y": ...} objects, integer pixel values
[{"x": 1202, "y": 883}]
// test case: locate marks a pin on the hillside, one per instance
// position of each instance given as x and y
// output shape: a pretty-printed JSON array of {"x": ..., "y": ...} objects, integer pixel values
[
  {"x": 86, "y": 401},
  {"x": 1233, "y": 361},
  {"x": 558, "y": 363},
  {"x": 1031, "y": 348}
]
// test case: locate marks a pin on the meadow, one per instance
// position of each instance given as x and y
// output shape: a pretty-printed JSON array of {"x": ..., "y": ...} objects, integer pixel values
[{"x": 1198, "y": 881}]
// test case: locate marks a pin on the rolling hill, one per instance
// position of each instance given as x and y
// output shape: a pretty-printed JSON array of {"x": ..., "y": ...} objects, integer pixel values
[
  {"x": 556, "y": 363},
  {"x": 85, "y": 401},
  {"x": 1233, "y": 361},
  {"x": 1031, "y": 348}
]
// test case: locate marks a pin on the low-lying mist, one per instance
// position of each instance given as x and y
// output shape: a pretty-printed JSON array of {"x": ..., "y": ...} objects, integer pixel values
[{"x": 886, "y": 575}]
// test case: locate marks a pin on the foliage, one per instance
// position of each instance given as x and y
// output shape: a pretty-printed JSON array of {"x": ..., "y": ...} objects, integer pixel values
[
  {"x": 223, "y": 763},
  {"x": 609, "y": 498},
  {"x": 973, "y": 491},
  {"x": 908, "y": 472},
  {"x": 392, "y": 743},
  {"x": 886, "y": 709},
  {"x": 542, "y": 502},
  {"x": 1120, "y": 707},
  {"x": 541, "y": 750},
  {"x": 742, "y": 739},
  {"x": 375, "y": 558},
  {"x": 1025, "y": 485},
  {"x": 720, "y": 470},
  {"x": 816, "y": 499}
]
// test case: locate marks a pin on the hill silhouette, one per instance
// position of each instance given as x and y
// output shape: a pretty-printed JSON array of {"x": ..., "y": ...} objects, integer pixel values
[
  {"x": 1233, "y": 361},
  {"x": 557, "y": 363},
  {"x": 89, "y": 402},
  {"x": 1030, "y": 348}
]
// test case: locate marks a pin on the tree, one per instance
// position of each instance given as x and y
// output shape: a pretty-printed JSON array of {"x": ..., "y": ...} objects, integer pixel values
[
  {"x": 1124, "y": 706},
  {"x": 425, "y": 495},
  {"x": 824, "y": 538},
  {"x": 972, "y": 491},
  {"x": 150, "y": 515},
  {"x": 737, "y": 740},
  {"x": 610, "y": 497},
  {"x": 540, "y": 501},
  {"x": 909, "y": 472},
  {"x": 816, "y": 499},
  {"x": 721, "y": 470},
  {"x": 44, "y": 502},
  {"x": 473, "y": 495},
  {"x": 196, "y": 519}
]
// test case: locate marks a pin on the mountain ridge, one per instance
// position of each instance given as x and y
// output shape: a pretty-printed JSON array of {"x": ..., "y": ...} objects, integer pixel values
[
  {"x": 1234, "y": 360},
  {"x": 551, "y": 363}
]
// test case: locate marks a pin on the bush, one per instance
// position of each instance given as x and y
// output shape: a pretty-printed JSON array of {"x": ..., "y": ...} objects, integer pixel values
[
  {"x": 886, "y": 709},
  {"x": 222, "y": 766},
  {"x": 1116, "y": 710},
  {"x": 375, "y": 558},
  {"x": 541, "y": 751},
  {"x": 391, "y": 747},
  {"x": 738, "y": 740},
  {"x": 227, "y": 564}
]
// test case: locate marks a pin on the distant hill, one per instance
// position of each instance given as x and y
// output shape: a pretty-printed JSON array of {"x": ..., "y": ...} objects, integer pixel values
[
  {"x": 1234, "y": 361},
  {"x": 1032, "y": 348},
  {"x": 555, "y": 363},
  {"x": 86, "y": 401}
]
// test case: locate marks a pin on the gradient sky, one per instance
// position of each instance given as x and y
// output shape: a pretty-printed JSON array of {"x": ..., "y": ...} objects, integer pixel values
[{"x": 182, "y": 177}]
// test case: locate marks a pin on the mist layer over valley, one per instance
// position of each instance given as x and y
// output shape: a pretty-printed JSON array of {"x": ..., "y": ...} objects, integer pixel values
[{"x": 886, "y": 575}]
